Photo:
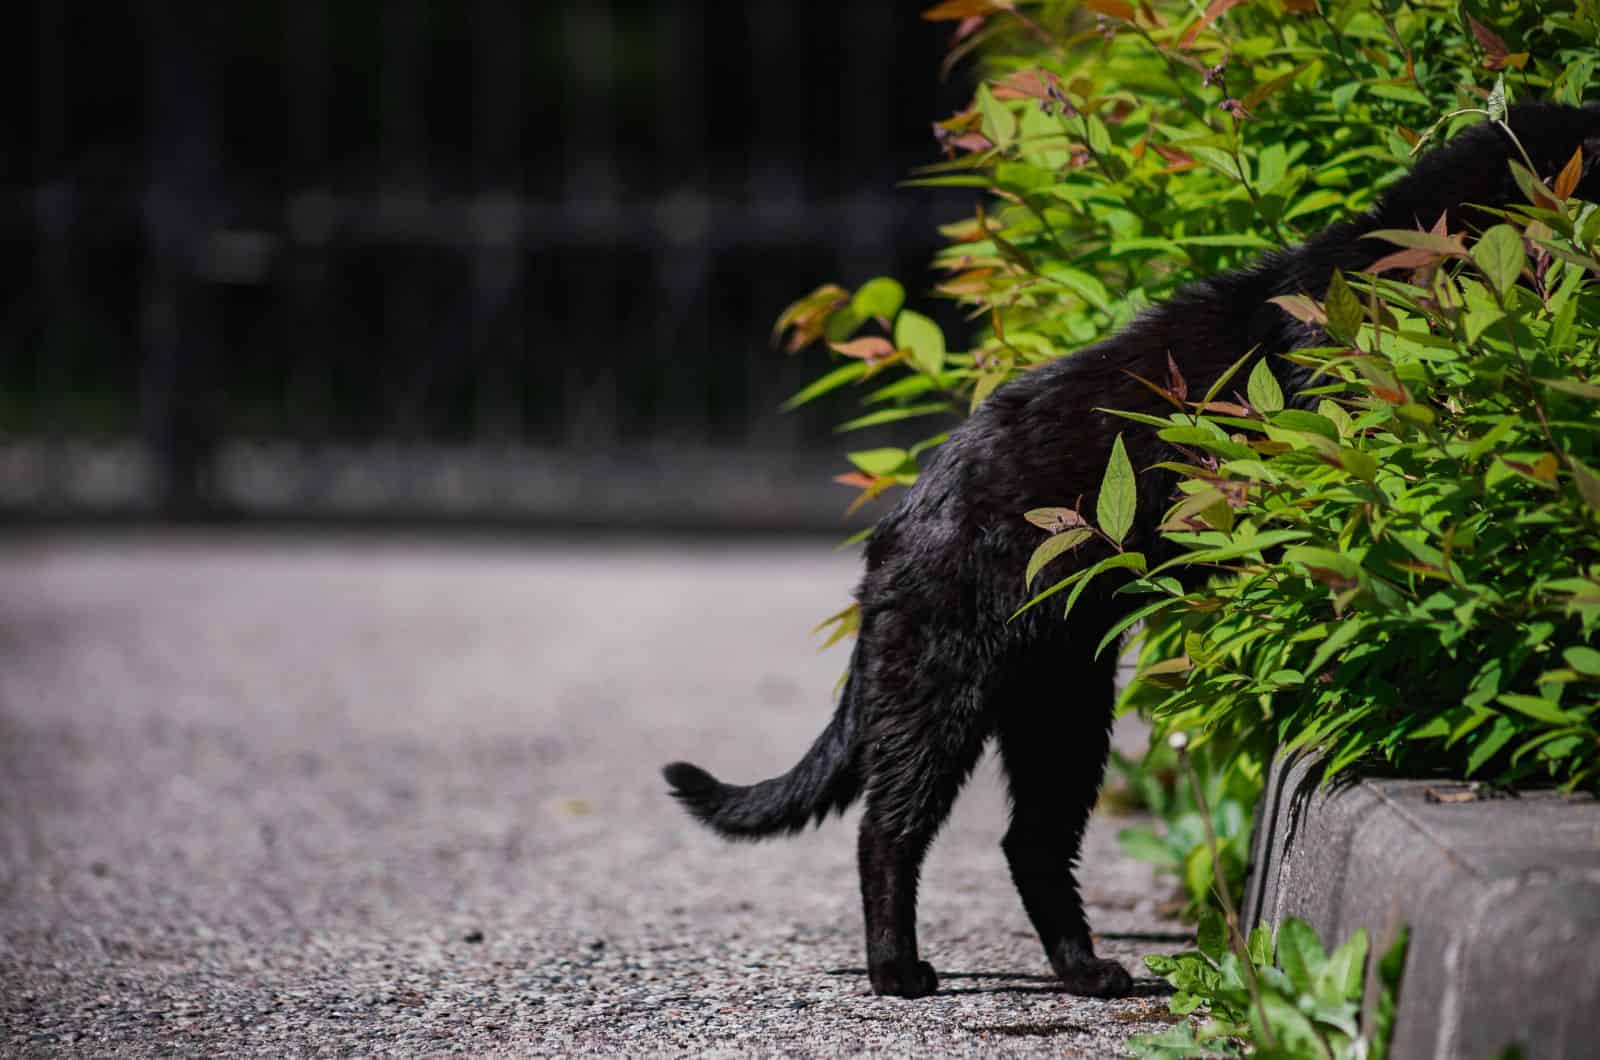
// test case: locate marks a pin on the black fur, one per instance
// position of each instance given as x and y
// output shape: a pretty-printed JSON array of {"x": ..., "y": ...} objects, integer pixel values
[{"x": 938, "y": 669}]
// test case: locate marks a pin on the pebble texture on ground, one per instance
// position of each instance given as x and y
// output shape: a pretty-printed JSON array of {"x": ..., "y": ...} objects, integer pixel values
[{"x": 338, "y": 796}]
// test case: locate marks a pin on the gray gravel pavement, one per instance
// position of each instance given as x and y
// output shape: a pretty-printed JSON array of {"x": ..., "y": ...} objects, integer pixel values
[{"x": 327, "y": 796}]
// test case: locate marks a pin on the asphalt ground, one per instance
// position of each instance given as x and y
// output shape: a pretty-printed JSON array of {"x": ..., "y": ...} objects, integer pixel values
[{"x": 333, "y": 796}]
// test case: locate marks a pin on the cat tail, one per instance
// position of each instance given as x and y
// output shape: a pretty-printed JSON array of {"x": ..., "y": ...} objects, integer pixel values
[{"x": 826, "y": 779}]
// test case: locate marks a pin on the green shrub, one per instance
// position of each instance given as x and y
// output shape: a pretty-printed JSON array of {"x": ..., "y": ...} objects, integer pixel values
[{"x": 1410, "y": 574}]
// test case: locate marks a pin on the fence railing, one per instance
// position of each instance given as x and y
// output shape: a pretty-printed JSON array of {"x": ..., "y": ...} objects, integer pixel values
[{"x": 423, "y": 256}]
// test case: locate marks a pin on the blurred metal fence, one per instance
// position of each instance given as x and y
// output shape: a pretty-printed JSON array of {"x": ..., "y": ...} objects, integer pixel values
[{"x": 458, "y": 257}]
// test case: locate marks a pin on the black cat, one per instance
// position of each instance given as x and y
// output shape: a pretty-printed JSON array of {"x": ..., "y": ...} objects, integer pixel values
[{"x": 938, "y": 669}]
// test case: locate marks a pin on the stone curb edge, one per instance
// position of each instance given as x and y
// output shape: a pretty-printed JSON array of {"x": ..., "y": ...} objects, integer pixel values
[{"x": 1501, "y": 895}]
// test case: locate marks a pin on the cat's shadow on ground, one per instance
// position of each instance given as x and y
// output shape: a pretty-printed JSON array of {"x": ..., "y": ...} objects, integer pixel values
[
  {"x": 1028, "y": 983},
  {"x": 1017, "y": 983}
]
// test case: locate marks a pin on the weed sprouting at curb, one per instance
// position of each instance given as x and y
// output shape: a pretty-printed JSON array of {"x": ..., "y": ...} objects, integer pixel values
[{"x": 1271, "y": 995}]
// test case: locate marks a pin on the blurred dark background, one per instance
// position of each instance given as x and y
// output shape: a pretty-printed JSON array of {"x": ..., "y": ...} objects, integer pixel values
[{"x": 477, "y": 261}]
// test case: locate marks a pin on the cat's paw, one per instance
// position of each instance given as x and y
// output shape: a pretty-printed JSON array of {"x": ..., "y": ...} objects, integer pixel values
[
  {"x": 915, "y": 979},
  {"x": 1096, "y": 978}
]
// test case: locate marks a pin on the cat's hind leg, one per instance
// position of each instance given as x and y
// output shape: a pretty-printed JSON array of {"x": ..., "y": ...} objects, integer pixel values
[
  {"x": 914, "y": 773},
  {"x": 1053, "y": 740}
]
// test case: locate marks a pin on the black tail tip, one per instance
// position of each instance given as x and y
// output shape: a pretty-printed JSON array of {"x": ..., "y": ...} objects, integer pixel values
[
  {"x": 700, "y": 793},
  {"x": 689, "y": 782}
]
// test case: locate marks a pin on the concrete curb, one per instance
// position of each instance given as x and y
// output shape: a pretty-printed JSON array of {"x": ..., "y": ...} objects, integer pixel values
[{"x": 1502, "y": 896}]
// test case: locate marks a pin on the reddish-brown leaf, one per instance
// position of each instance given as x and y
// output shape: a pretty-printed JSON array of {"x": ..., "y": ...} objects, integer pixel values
[
  {"x": 1175, "y": 381},
  {"x": 871, "y": 348},
  {"x": 1026, "y": 84},
  {"x": 960, "y": 121},
  {"x": 1227, "y": 408},
  {"x": 966, "y": 28},
  {"x": 950, "y": 10},
  {"x": 1115, "y": 8},
  {"x": 1302, "y": 307},
  {"x": 971, "y": 143},
  {"x": 808, "y": 317},
  {"x": 1413, "y": 258},
  {"x": 1055, "y": 520},
  {"x": 1261, "y": 93},
  {"x": 1154, "y": 388},
  {"x": 858, "y": 479},
  {"x": 1215, "y": 10},
  {"x": 1300, "y": 7},
  {"x": 1571, "y": 173},
  {"x": 1493, "y": 46},
  {"x": 972, "y": 281},
  {"x": 1177, "y": 160}
]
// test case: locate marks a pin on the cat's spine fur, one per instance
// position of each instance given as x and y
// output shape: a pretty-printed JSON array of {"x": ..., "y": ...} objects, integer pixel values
[{"x": 827, "y": 779}]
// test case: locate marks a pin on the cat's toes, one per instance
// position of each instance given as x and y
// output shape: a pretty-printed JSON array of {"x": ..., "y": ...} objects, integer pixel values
[
  {"x": 904, "y": 980},
  {"x": 1096, "y": 978}
]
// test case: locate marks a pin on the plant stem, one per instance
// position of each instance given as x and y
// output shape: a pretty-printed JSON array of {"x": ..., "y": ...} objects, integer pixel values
[{"x": 1241, "y": 948}]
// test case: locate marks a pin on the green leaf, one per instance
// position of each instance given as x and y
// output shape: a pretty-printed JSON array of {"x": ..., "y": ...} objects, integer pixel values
[
  {"x": 1243, "y": 546},
  {"x": 1343, "y": 307},
  {"x": 1084, "y": 285},
  {"x": 1499, "y": 255},
  {"x": 997, "y": 121},
  {"x": 1500, "y": 733},
  {"x": 915, "y": 332},
  {"x": 1574, "y": 387},
  {"x": 1335, "y": 642},
  {"x": 1583, "y": 659},
  {"x": 1314, "y": 202},
  {"x": 1130, "y": 560},
  {"x": 1198, "y": 874},
  {"x": 1053, "y": 547},
  {"x": 1318, "y": 560},
  {"x": 1587, "y": 481},
  {"x": 892, "y": 415},
  {"x": 1222, "y": 380},
  {"x": 879, "y": 461},
  {"x": 1142, "y": 844},
  {"x": 881, "y": 297},
  {"x": 1262, "y": 945},
  {"x": 1340, "y": 979},
  {"x": 1115, "y": 506},
  {"x": 835, "y": 379},
  {"x": 1539, "y": 709},
  {"x": 1263, "y": 390},
  {"x": 1300, "y": 953},
  {"x": 1211, "y": 937},
  {"x": 1308, "y": 422}
]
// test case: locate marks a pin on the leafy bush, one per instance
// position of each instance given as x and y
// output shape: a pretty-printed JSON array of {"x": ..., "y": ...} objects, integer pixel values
[{"x": 1411, "y": 573}]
